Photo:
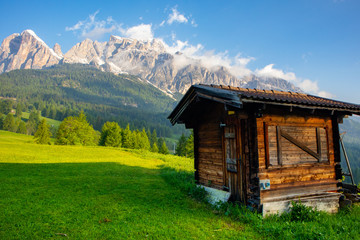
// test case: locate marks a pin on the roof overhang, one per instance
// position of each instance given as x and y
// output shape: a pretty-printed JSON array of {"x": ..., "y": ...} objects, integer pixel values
[
  {"x": 198, "y": 92},
  {"x": 237, "y": 97}
]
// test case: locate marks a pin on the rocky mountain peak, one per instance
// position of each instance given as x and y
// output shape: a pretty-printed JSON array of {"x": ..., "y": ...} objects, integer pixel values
[
  {"x": 26, "y": 51},
  {"x": 149, "y": 60},
  {"x": 134, "y": 44},
  {"x": 57, "y": 50}
]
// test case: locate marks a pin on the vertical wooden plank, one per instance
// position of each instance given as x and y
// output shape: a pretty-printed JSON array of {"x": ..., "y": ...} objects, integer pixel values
[
  {"x": 241, "y": 163},
  {"x": 225, "y": 174},
  {"x": 278, "y": 143},
  {"x": 318, "y": 143},
  {"x": 328, "y": 145},
  {"x": 266, "y": 139},
  {"x": 196, "y": 153},
  {"x": 336, "y": 139}
]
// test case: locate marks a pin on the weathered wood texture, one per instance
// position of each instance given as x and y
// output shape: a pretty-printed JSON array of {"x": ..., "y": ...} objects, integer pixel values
[
  {"x": 306, "y": 165},
  {"x": 313, "y": 138},
  {"x": 250, "y": 156},
  {"x": 210, "y": 155}
]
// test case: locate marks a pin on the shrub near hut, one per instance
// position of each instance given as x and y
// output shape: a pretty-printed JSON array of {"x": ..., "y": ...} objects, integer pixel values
[{"x": 76, "y": 131}]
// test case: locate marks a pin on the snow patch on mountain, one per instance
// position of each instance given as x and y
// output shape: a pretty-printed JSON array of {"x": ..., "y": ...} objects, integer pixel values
[{"x": 32, "y": 33}]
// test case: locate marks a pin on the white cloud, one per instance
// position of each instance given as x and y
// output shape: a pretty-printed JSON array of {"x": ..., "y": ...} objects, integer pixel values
[
  {"x": 77, "y": 26},
  {"x": 140, "y": 32},
  {"x": 269, "y": 71},
  {"x": 190, "y": 54},
  {"x": 306, "y": 85},
  {"x": 94, "y": 29},
  {"x": 193, "y": 23},
  {"x": 175, "y": 16},
  {"x": 312, "y": 87}
]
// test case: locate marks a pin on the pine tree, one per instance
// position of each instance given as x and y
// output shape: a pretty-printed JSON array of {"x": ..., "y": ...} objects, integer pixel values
[
  {"x": 42, "y": 134},
  {"x": 6, "y": 106},
  {"x": 164, "y": 149},
  {"x": 31, "y": 127},
  {"x": 190, "y": 146},
  {"x": 153, "y": 139},
  {"x": 35, "y": 117},
  {"x": 22, "y": 128},
  {"x": 136, "y": 139},
  {"x": 110, "y": 135},
  {"x": 19, "y": 110},
  {"x": 148, "y": 133},
  {"x": 144, "y": 140},
  {"x": 9, "y": 123},
  {"x": 154, "y": 148},
  {"x": 1, "y": 121},
  {"x": 127, "y": 138},
  {"x": 181, "y": 146}
]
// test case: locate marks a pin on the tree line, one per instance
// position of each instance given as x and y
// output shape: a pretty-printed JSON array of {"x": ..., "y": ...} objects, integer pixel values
[
  {"x": 62, "y": 91},
  {"x": 76, "y": 130}
]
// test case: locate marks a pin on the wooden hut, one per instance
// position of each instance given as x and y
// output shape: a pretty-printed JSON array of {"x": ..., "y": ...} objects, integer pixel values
[{"x": 267, "y": 148}]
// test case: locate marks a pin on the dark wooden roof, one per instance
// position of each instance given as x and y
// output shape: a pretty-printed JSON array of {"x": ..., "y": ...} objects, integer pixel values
[
  {"x": 286, "y": 97},
  {"x": 236, "y": 97}
]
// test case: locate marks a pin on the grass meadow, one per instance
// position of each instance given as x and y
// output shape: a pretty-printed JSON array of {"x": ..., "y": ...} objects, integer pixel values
[{"x": 76, "y": 192}]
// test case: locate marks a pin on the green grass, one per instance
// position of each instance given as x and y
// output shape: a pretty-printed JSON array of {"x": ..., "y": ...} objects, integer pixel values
[
  {"x": 51, "y": 122},
  {"x": 111, "y": 193},
  {"x": 101, "y": 193}
]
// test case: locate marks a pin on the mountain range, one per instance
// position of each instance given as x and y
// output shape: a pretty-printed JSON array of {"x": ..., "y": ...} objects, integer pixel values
[{"x": 148, "y": 60}]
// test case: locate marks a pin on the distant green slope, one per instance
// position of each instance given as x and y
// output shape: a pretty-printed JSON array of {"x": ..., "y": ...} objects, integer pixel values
[
  {"x": 52, "y": 122},
  {"x": 83, "y": 83},
  {"x": 103, "y": 96},
  {"x": 352, "y": 145}
]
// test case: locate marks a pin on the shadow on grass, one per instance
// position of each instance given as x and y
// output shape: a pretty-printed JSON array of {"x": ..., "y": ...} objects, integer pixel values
[{"x": 103, "y": 201}]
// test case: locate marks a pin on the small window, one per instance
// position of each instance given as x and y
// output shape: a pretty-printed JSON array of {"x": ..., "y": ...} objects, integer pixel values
[{"x": 287, "y": 145}]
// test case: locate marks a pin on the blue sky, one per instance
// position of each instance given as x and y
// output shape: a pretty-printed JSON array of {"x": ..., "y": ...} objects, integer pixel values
[{"x": 314, "y": 44}]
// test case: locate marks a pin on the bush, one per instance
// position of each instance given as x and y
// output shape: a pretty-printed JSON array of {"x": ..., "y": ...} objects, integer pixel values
[
  {"x": 301, "y": 213},
  {"x": 76, "y": 131}
]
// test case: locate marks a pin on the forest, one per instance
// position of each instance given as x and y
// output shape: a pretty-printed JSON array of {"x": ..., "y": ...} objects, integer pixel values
[{"x": 64, "y": 90}]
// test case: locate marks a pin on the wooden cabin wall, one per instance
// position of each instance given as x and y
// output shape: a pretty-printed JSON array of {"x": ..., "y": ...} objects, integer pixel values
[
  {"x": 250, "y": 158},
  {"x": 291, "y": 179},
  {"x": 209, "y": 156}
]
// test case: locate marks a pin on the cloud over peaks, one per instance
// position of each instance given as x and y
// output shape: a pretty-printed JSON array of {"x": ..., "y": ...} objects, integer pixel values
[
  {"x": 175, "y": 16},
  {"x": 140, "y": 32},
  {"x": 269, "y": 71},
  {"x": 93, "y": 28}
]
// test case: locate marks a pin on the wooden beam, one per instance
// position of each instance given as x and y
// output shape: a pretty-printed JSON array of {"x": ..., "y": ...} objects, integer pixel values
[
  {"x": 278, "y": 143},
  {"x": 196, "y": 153},
  {"x": 336, "y": 139},
  {"x": 318, "y": 143},
  {"x": 266, "y": 139},
  {"x": 300, "y": 145}
]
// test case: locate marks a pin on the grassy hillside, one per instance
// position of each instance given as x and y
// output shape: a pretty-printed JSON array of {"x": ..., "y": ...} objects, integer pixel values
[
  {"x": 110, "y": 193},
  {"x": 51, "y": 122},
  {"x": 99, "y": 193}
]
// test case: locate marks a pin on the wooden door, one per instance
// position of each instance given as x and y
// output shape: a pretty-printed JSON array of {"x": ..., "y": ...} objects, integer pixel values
[{"x": 233, "y": 163}]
